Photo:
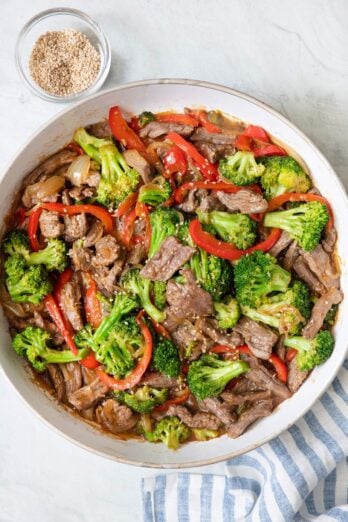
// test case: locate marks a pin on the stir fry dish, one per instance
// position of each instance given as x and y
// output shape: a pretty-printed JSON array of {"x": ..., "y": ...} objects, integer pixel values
[{"x": 172, "y": 276}]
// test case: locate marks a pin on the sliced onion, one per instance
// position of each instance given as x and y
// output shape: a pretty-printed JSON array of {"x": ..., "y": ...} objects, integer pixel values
[
  {"x": 78, "y": 171},
  {"x": 45, "y": 188}
]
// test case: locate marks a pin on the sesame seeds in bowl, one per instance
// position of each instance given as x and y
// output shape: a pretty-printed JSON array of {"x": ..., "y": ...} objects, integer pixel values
[{"x": 62, "y": 55}]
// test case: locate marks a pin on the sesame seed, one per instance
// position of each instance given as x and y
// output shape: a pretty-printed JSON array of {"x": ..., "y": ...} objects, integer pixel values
[{"x": 64, "y": 62}]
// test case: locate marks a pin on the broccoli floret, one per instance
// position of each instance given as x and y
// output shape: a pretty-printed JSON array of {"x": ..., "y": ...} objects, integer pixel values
[
  {"x": 159, "y": 293},
  {"x": 33, "y": 343},
  {"x": 227, "y": 312},
  {"x": 26, "y": 284},
  {"x": 171, "y": 431},
  {"x": 144, "y": 400},
  {"x": 214, "y": 274},
  {"x": 257, "y": 275},
  {"x": 53, "y": 256},
  {"x": 204, "y": 434},
  {"x": 286, "y": 311},
  {"x": 141, "y": 287},
  {"x": 241, "y": 168},
  {"x": 123, "y": 304},
  {"x": 156, "y": 192},
  {"x": 304, "y": 224},
  {"x": 116, "y": 352},
  {"x": 166, "y": 357},
  {"x": 90, "y": 144},
  {"x": 311, "y": 352},
  {"x": 238, "y": 229},
  {"x": 118, "y": 180},
  {"x": 283, "y": 174},
  {"x": 145, "y": 117},
  {"x": 208, "y": 376},
  {"x": 16, "y": 243},
  {"x": 330, "y": 317},
  {"x": 164, "y": 222}
]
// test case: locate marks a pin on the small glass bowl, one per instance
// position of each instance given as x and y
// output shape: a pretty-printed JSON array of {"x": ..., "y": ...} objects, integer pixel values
[{"x": 58, "y": 19}]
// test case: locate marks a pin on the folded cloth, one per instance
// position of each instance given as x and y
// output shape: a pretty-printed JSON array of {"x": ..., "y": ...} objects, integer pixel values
[{"x": 302, "y": 475}]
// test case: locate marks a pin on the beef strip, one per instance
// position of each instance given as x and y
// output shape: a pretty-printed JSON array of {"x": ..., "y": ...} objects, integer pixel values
[
  {"x": 290, "y": 256},
  {"x": 213, "y": 152},
  {"x": 81, "y": 193},
  {"x": 88, "y": 395},
  {"x": 190, "y": 202},
  {"x": 57, "y": 380},
  {"x": 281, "y": 244},
  {"x": 116, "y": 417},
  {"x": 158, "y": 380},
  {"x": 295, "y": 376},
  {"x": 135, "y": 160},
  {"x": 155, "y": 129},
  {"x": 188, "y": 300},
  {"x": 107, "y": 251},
  {"x": 264, "y": 379},
  {"x": 70, "y": 302},
  {"x": 50, "y": 165},
  {"x": 304, "y": 273},
  {"x": 48, "y": 325},
  {"x": 95, "y": 233},
  {"x": 171, "y": 256},
  {"x": 189, "y": 338},
  {"x": 332, "y": 297},
  {"x": 210, "y": 202},
  {"x": 221, "y": 410},
  {"x": 101, "y": 129},
  {"x": 260, "y": 339},
  {"x": 235, "y": 399},
  {"x": 329, "y": 240},
  {"x": 137, "y": 255},
  {"x": 210, "y": 328},
  {"x": 198, "y": 420},
  {"x": 106, "y": 277},
  {"x": 280, "y": 349},
  {"x": 322, "y": 266},
  {"x": 72, "y": 377},
  {"x": 75, "y": 226},
  {"x": 81, "y": 257},
  {"x": 245, "y": 201},
  {"x": 50, "y": 224},
  {"x": 222, "y": 138},
  {"x": 256, "y": 411}
]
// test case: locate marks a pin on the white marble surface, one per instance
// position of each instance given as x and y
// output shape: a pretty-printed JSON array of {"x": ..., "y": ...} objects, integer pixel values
[{"x": 290, "y": 54}]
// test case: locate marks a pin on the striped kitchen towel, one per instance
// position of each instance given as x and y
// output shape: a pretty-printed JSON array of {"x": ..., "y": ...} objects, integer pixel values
[{"x": 302, "y": 475}]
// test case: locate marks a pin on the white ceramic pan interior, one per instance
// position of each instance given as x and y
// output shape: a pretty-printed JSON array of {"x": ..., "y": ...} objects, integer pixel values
[{"x": 159, "y": 95}]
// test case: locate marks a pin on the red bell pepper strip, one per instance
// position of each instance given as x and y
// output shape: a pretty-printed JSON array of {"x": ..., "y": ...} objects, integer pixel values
[
  {"x": 208, "y": 170},
  {"x": 226, "y": 250},
  {"x": 290, "y": 354},
  {"x": 72, "y": 210},
  {"x": 74, "y": 147},
  {"x": 58, "y": 319},
  {"x": 90, "y": 362},
  {"x": 278, "y": 201},
  {"x": 128, "y": 227},
  {"x": 19, "y": 216},
  {"x": 134, "y": 377},
  {"x": 174, "y": 162},
  {"x": 179, "y": 399},
  {"x": 269, "y": 150},
  {"x": 257, "y": 133},
  {"x": 134, "y": 124},
  {"x": 93, "y": 307},
  {"x": 205, "y": 122},
  {"x": 222, "y": 348},
  {"x": 33, "y": 226},
  {"x": 122, "y": 132},
  {"x": 126, "y": 205},
  {"x": 174, "y": 117},
  {"x": 280, "y": 367}
]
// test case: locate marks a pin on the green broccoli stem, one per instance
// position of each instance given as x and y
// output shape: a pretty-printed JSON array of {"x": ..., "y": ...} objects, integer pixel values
[
  {"x": 289, "y": 220},
  {"x": 144, "y": 296},
  {"x": 258, "y": 316},
  {"x": 90, "y": 144},
  {"x": 122, "y": 306},
  {"x": 65, "y": 356},
  {"x": 299, "y": 343}
]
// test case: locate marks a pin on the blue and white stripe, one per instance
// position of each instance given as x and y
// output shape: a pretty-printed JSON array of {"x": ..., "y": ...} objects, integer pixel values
[{"x": 300, "y": 476}]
